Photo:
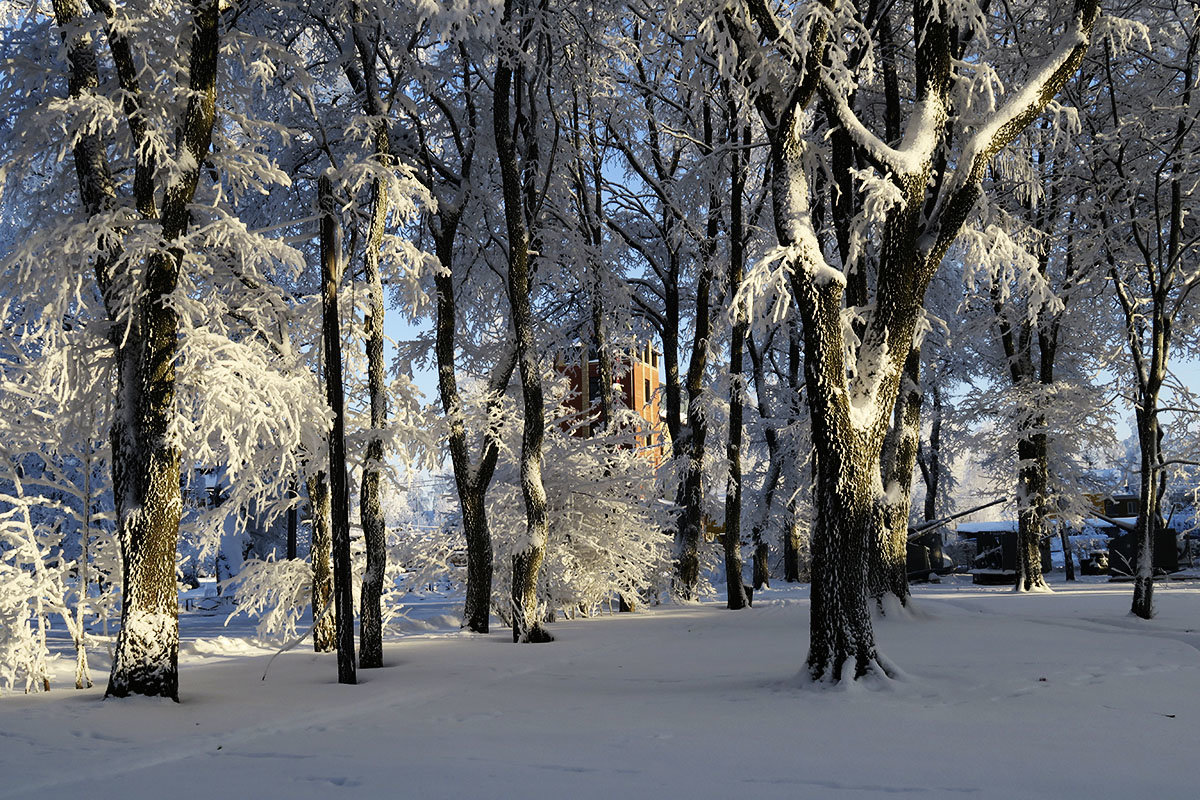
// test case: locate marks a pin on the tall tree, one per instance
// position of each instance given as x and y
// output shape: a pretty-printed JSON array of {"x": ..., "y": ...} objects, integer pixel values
[
  {"x": 514, "y": 113},
  {"x": 1150, "y": 169},
  {"x": 332, "y": 268},
  {"x": 739, "y": 138},
  {"x": 852, "y": 387},
  {"x": 145, "y": 457}
]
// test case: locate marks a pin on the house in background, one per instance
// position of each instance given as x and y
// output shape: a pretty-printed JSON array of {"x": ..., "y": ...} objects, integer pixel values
[
  {"x": 1117, "y": 516},
  {"x": 637, "y": 385}
]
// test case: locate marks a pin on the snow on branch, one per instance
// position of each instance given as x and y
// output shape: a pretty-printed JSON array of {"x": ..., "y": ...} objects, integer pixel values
[
  {"x": 917, "y": 146},
  {"x": 1005, "y": 124}
]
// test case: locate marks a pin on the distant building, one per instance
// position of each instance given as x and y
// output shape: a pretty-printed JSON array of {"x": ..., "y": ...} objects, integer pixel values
[{"x": 638, "y": 387}]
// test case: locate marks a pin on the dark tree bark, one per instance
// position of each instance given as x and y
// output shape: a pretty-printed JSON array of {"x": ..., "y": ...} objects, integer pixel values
[
  {"x": 362, "y": 34},
  {"x": 1156, "y": 219},
  {"x": 762, "y": 566},
  {"x": 792, "y": 572},
  {"x": 850, "y": 402},
  {"x": 527, "y": 559},
  {"x": 889, "y": 564},
  {"x": 1033, "y": 466},
  {"x": 734, "y": 587},
  {"x": 321, "y": 558},
  {"x": 694, "y": 433},
  {"x": 371, "y": 495},
  {"x": 471, "y": 479},
  {"x": 775, "y": 464},
  {"x": 145, "y": 462},
  {"x": 472, "y": 475},
  {"x": 662, "y": 303},
  {"x": 339, "y": 496},
  {"x": 293, "y": 519},
  {"x": 930, "y": 458}
]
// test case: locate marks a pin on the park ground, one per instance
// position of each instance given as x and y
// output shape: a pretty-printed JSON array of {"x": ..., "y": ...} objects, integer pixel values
[{"x": 1060, "y": 695}]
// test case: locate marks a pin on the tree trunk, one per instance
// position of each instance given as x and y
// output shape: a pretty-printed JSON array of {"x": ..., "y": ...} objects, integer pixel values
[
  {"x": 691, "y": 519},
  {"x": 293, "y": 519},
  {"x": 735, "y": 590},
  {"x": 846, "y": 442},
  {"x": 479, "y": 562},
  {"x": 889, "y": 563},
  {"x": 762, "y": 572},
  {"x": 930, "y": 459},
  {"x": 1148, "y": 515},
  {"x": 83, "y": 676},
  {"x": 792, "y": 571},
  {"x": 471, "y": 481},
  {"x": 774, "y": 470},
  {"x": 321, "y": 555},
  {"x": 1031, "y": 511},
  {"x": 842, "y": 641},
  {"x": 339, "y": 499},
  {"x": 145, "y": 458},
  {"x": 370, "y": 626},
  {"x": 1068, "y": 557},
  {"x": 527, "y": 556}
]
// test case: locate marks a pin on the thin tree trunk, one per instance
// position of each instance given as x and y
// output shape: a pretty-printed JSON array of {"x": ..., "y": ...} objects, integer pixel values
[
  {"x": 762, "y": 567},
  {"x": 734, "y": 588},
  {"x": 691, "y": 519},
  {"x": 471, "y": 481},
  {"x": 479, "y": 562},
  {"x": 1068, "y": 557},
  {"x": 930, "y": 459},
  {"x": 527, "y": 556},
  {"x": 1031, "y": 512},
  {"x": 339, "y": 499},
  {"x": 293, "y": 519},
  {"x": 774, "y": 469},
  {"x": 370, "y": 632},
  {"x": 1148, "y": 514},
  {"x": 83, "y": 677},
  {"x": 321, "y": 557},
  {"x": 791, "y": 534}
]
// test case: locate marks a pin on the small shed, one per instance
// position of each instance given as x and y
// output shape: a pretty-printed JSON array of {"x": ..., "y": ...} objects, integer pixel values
[
  {"x": 996, "y": 550},
  {"x": 1123, "y": 554}
]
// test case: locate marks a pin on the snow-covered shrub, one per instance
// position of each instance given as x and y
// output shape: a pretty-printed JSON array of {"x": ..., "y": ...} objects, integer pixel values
[
  {"x": 28, "y": 589},
  {"x": 609, "y": 532},
  {"x": 277, "y": 592},
  {"x": 22, "y": 649}
]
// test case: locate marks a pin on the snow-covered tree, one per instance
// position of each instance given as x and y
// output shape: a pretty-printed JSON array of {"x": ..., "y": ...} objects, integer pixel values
[
  {"x": 916, "y": 191},
  {"x": 132, "y": 191},
  {"x": 1143, "y": 152}
]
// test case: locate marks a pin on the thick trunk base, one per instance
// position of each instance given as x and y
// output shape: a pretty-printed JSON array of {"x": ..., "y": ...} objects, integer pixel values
[
  {"x": 1143, "y": 597},
  {"x": 527, "y": 626},
  {"x": 370, "y": 598},
  {"x": 792, "y": 572},
  {"x": 762, "y": 576},
  {"x": 477, "y": 608}
]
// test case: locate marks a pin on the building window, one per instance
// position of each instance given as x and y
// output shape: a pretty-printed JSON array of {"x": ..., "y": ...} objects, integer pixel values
[{"x": 647, "y": 395}]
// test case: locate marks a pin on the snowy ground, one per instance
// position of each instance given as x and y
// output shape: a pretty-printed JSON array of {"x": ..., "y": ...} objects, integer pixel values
[{"x": 1060, "y": 695}]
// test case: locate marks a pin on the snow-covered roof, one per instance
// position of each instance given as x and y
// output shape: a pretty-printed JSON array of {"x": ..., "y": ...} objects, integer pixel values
[
  {"x": 997, "y": 526},
  {"x": 1104, "y": 523}
]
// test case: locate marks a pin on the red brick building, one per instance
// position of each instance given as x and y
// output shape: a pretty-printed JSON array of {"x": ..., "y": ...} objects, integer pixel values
[{"x": 637, "y": 377}]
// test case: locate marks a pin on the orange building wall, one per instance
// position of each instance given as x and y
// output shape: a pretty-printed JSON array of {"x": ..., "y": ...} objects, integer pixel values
[{"x": 640, "y": 391}]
